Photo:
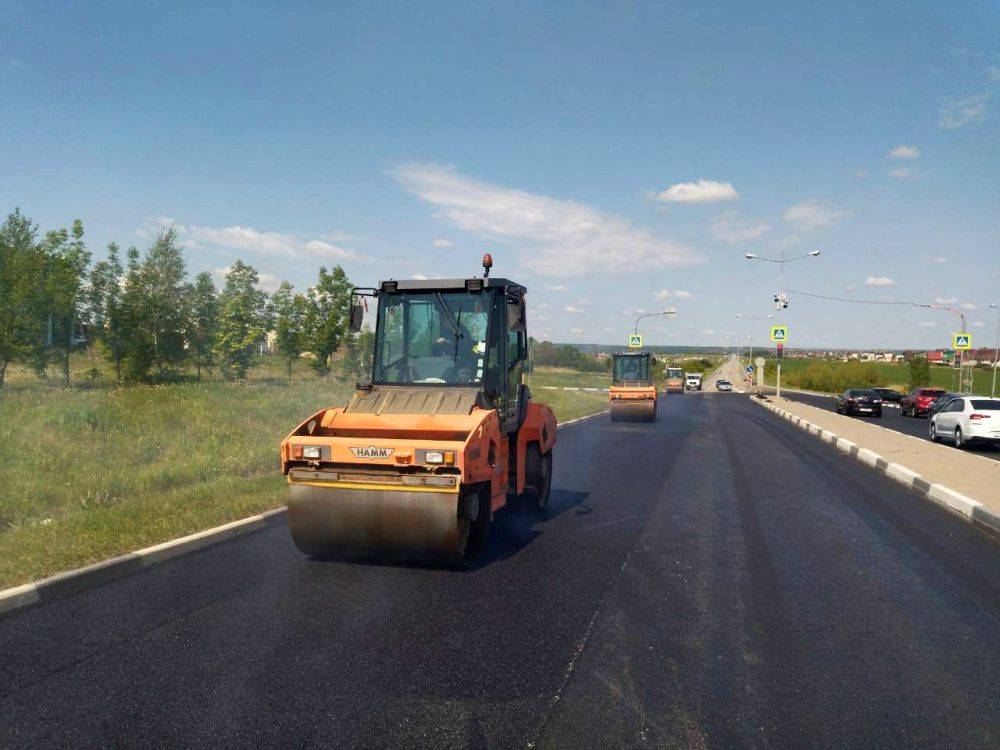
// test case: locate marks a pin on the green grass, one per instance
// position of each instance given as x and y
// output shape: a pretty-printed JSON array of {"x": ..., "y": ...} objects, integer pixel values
[
  {"x": 561, "y": 377},
  {"x": 92, "y": 472},
  {"x": 803, "y": 373}
]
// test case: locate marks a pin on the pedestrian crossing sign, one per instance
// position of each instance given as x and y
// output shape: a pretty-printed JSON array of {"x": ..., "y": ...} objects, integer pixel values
[
  {"x": 779, "y": 334},
  {"x": 961, "y": 341},
  {"x": 635, "y": 341}
]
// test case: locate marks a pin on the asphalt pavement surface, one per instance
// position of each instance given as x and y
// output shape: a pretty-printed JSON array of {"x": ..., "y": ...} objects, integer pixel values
[
  {"x": 714, "y": 579},
  {"x": 891, "y": 419}
]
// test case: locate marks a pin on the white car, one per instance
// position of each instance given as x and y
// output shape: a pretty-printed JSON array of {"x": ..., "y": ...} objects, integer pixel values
[{"x": 967, "y": 420}]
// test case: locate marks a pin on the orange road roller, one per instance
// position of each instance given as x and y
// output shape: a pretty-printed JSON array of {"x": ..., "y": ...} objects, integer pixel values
[
  {"x": 633, "y": 392},
  {"x": 419, "y": 460}
]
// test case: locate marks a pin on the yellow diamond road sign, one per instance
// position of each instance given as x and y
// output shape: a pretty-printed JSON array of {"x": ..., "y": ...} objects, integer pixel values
[
  {"x": 961, "y": 341},
  {"x": 635, "y": 341},
  {"x": 779, "y": 334}
]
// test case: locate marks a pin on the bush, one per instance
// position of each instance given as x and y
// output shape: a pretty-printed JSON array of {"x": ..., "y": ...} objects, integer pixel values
[{"x": 835, "y": 378}]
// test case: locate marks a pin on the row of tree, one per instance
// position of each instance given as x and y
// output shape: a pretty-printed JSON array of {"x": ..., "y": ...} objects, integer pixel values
[{"x": 147, "y": 317}]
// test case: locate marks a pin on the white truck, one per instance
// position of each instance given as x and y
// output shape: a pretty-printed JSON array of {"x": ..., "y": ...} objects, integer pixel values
[{"x": 692, "y": 381}]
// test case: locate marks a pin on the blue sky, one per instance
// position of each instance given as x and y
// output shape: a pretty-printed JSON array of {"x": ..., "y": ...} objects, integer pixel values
[{"x": 614, "y": 158}]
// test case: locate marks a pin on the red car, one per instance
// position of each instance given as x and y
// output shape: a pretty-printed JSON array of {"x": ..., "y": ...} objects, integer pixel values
[{"x": 917, "y": 403}]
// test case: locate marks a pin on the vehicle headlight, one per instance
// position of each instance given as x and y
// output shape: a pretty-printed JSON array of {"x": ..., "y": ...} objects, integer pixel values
[
  {"x": 436, "y": 457},
  {"x": 312, "y": 451}
]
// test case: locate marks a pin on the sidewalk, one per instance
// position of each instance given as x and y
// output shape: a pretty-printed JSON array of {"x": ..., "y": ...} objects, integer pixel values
[{"x": 964, "y": 472}]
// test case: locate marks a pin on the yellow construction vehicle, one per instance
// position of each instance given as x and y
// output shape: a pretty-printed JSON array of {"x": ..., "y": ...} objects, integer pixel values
[
  {"x": 423, "y": 455},
  {"x": 632, "y": 392}
]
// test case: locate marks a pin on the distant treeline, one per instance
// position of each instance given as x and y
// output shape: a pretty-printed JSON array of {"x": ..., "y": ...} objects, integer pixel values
[
  {"x": 547, "y": 354},
  {"x": 148, "y": 318}
]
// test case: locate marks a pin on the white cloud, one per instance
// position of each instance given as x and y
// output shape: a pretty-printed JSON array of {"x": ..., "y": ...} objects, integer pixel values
[
  {"x": 557, "y": 288},
  {"x": 572, "y": 309},
  {"x": 903, "y": 151},
  {"x": 879, "y": 281},
  {"x": 862, "y": 173},
  {"x": 850, "y": 288},
  {"x": 811, "y": 215},
  {"x": 903, "y": 173},
  {"x": 978, "y": 324},
  {"x": 419, "y": 277},
  {"x": 250, "y": 240},
  {"x": 729, "y": 227},
  {"x": 968, "y": 306},
  {"x": 702, "y": 191},
  {"x": 267, "y": 282},
  {"x": 939, "y": 259},
  {"x": 945, "y": 300},
  {"x": 676, "y": 293},
  {"x": 927, "y": 324},
  {"x": 576, "y": 331},
  {"x": 564, "y": 237},
  {"x": 442, "y": 243},
  {"x": 957, "y": 113}
]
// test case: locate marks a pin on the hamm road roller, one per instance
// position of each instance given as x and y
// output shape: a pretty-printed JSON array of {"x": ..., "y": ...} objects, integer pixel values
[
  {"x": 415, "y": 465},
  {"x": 633, "y": 392}
]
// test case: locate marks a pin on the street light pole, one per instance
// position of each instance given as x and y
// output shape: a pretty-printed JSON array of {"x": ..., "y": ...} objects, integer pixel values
[
  {"x": 779, "y": 300},
  {"x": 668, "y": 311},
  {"x": 996, "y": 352}
]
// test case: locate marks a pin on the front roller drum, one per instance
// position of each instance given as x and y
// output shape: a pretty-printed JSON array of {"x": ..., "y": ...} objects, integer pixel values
[
  {"x": 633, "y": 411},
  {"x": 392, "y": 524}
]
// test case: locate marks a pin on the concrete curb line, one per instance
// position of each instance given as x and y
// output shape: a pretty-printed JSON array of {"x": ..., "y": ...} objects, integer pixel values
[
  {"x": 971, "y": 510},
  {"x": 70, "y": 582}
]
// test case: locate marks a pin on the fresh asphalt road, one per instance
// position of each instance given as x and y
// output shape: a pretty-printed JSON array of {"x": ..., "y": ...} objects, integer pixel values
[
  {"x": 891, "y": 419},
  {"x": 715, "y": 579}
]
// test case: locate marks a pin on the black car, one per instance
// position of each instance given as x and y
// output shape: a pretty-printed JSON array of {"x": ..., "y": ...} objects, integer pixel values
[
  {"x": 862, "y": 401},
  {"x": 888, "y": 395}
]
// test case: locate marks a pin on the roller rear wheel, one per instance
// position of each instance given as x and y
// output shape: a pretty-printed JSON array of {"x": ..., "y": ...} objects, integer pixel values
[{"x": 538, "y": 475}]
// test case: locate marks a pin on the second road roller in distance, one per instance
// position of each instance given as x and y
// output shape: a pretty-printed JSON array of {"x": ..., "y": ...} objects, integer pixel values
[
  {"x": 417, "y": 463},
  {"x": 633, "y": 391}
]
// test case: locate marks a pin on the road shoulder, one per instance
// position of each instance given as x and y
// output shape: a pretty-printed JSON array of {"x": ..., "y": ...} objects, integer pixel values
[{"x": 965, "y": 483}]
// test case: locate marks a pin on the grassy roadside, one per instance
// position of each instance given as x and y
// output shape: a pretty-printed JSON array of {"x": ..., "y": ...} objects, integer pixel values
[
  {"x": 88, "y": 473},
  {"x": 834, "y": 377}
]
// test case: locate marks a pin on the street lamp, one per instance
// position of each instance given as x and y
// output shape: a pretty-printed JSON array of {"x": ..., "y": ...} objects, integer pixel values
[
  {"x": 996, "y": 351},
  {"x": 667, "y": 311},
  {"x": 779, "y": 300}
]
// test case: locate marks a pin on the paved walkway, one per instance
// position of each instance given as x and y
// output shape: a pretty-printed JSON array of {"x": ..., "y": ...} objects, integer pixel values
[{"x": 974, "y": 476}]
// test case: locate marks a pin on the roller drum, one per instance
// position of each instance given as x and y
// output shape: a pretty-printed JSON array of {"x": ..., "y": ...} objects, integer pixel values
[
  {"x": 633, "y": 411},
  {"x": 391, "y": 523}
]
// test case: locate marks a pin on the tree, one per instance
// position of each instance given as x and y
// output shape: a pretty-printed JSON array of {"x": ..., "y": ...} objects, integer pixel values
[
  {"x": 204, "y": 321},
  {"x": 137, "y": 340},
  {"x": 155, "y": 308},
  {"x": 920, "y": 371},
  {"x": 358, "y": 355},
  {"x": 68, "y": 260},
  {"x": 327, "y": 316},
  {"x": 22, "y": 296},
  {"x": 241, "y": 320},
  {"x": 289, "y": 323},
  {"x": 106, "y": 308}
]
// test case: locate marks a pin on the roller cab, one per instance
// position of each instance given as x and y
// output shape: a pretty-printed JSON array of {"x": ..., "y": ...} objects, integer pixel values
[
  {"x": 633, "y": 393},
  {"x": 415, "y": 465}
]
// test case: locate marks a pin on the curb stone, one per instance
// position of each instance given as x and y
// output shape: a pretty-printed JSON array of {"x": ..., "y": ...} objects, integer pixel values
[
  {"x": 70, "y": 582},
  {"x": 971, "y": 510}
]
